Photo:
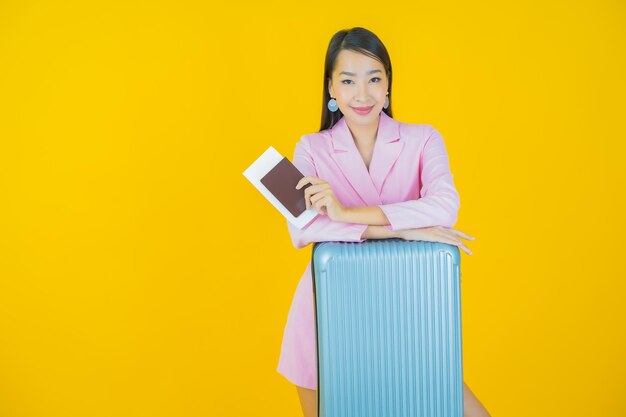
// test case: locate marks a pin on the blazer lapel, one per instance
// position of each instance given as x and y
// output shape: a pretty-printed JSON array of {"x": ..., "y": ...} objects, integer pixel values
[{"x": 387, "y": 149}]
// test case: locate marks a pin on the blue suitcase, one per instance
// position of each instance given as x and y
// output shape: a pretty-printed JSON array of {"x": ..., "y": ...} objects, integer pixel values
[{"x": 388, "y": 325}]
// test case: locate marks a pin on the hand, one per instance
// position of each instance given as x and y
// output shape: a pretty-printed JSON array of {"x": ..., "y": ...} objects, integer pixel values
[
  {"x": 320, "y": 196},
  {"x": 437, "y": 234}
]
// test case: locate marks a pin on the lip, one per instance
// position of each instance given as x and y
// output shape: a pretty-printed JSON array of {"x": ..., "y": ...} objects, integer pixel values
[{"x": 362, "y": 110}]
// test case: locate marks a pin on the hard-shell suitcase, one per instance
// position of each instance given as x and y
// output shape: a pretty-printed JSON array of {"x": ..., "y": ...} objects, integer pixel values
[{"x": 388, "y": 326}]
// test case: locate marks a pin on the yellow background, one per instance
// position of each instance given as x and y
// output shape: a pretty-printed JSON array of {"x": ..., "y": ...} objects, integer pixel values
[{"x": 142, "y": 275}]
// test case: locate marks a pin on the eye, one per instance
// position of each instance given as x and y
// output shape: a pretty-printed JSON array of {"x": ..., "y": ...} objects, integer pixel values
[
  {"x": 376, "y": 78},
  {"x": 344, "y": 81}
]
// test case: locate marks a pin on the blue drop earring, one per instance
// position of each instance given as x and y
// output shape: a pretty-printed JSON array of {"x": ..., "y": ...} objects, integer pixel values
[{"x": 332, "y": 105}]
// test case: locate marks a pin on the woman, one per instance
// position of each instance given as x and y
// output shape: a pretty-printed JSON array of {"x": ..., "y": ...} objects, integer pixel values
[{"x": 369, "y": 177}]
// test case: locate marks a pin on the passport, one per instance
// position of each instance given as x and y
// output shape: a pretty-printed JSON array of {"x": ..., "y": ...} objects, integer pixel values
[
  {"x": 276, "y": 177},
  {"x": 281, "y": 181}
]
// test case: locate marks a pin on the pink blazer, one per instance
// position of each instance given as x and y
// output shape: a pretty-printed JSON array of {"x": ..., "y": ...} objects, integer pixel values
[{"x": 409, "y": 178}]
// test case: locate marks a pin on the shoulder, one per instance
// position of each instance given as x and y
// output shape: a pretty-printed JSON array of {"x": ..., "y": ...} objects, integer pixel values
[
  {"x": 315, "y": 141},
  {"x": 422, "y": 139},
  {"x": 416, "y": 132}
]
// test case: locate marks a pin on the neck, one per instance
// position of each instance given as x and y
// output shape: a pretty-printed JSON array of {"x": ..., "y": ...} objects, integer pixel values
[{"x": 364, "y": 135}]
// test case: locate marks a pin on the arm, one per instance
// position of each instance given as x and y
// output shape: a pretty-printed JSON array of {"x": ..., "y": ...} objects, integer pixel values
[
  {"x": 321, "y": 228},
  {"x": 380, "y": 232},
  {"x": 439, "y": 200},
  {"x": 372, "y": 215}
]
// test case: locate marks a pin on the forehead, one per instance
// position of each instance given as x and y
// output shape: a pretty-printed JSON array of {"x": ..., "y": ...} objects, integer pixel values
[{"x": 356, "y": 62}]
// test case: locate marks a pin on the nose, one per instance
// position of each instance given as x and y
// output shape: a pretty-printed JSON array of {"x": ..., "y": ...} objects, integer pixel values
[{"x": 362, "y": 93}]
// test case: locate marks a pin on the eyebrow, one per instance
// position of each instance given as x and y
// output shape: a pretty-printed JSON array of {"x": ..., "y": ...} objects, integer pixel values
[{"x": 353, "y": 74}]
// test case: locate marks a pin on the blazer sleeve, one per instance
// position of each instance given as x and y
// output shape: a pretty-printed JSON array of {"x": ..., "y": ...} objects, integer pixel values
[
  {"x": 321, "y": 228},
  {"x": 439, "y": 200}
]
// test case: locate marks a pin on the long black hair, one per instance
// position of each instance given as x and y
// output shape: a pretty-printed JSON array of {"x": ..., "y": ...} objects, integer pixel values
[{"x": 360, "y": 40}]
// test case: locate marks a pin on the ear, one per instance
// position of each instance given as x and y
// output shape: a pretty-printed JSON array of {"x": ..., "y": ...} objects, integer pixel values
[{"x": 330, "y": 87}]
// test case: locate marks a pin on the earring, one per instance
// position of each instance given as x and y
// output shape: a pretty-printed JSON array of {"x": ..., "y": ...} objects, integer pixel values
[
  {"x": 332, "y": 105},
  {"x": 386, "y": 101}
]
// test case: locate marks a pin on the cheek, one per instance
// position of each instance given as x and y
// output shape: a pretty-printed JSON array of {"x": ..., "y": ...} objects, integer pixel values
[
  {"x": 380, "y": 90},
  {"x": 343, "y": 94}
]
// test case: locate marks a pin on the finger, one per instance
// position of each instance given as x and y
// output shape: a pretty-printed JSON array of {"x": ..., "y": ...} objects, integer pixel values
[
  {"x": 460, "y": 244},
  {"x": 324, "y": 202},
  {"x": 448, "y": 234},
  {"x": 311, "y": 192},
  {"x": 466, "y": 249},
  {"x": 455, "y": 233},
  {"x": 310, "y": 197},
  {"x": 320, "y": 195},
  {"x": 308, "y": 179},
  {"x": 462, "y": 234},
  {"x": 321, "y": 209},
  {"x": 447, "y": 238},
  {"x": 320, "y": 203},
  {"x": 316, "y": 188}
]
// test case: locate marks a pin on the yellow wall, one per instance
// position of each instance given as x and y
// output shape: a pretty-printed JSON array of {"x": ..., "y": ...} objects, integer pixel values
[{"x": 142, "y": 275}]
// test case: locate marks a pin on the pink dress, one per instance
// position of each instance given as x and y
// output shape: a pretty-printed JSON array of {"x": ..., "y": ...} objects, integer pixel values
[{"x": 409, "y": 178}]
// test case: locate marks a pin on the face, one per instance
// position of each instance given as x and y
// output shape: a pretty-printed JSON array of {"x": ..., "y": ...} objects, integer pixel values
[{"x": 358, "y": 81}]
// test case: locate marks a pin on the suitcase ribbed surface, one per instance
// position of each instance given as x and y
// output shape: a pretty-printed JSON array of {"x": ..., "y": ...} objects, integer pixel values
[{"x": 388, "y": 318}]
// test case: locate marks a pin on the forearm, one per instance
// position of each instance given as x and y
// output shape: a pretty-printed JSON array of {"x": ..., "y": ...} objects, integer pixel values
[
  {"x": 376, "y": 220},
  {"x": 371, "y": 215},
  {"x": 380, "y": 232}
]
